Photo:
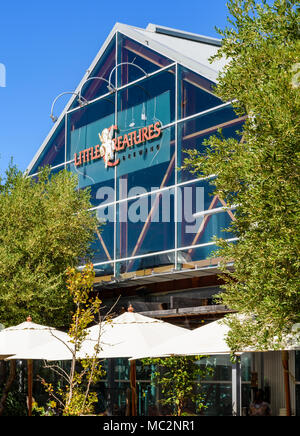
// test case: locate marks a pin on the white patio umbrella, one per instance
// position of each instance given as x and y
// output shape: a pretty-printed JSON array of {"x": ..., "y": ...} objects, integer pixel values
[
  {"x": 205, "y": 340},
  {"x": 17, "y": 340},
  {"x": 132, "y": 333},
  {"x": 209, "y": 339},
  {"x": 57, "y": 349}
]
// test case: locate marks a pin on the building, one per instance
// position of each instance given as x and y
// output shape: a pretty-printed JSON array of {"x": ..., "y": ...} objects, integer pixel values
[{"x": 146, "y": 98}]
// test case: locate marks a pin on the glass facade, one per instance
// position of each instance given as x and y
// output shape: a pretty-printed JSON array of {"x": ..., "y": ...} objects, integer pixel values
[{"x": 149, "y": 110}]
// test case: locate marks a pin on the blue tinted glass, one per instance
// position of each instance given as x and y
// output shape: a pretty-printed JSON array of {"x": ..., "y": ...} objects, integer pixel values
[
  {"x": 87, "y": 131},
  {"x": 200, "y": 255},
  {"x": 94, "y": 88},
  {"x": 158, "y": 263},
  {"x": 197, "y": 197},
  {"x": 131, "y": 51},
  {"x": 146, "y": 224},
  {"x": 105, "y": 271},
  {"x": 192, "y": 134},
  {"x": 103, "y": 245},
  {"x": 148, "y": 160},
  {"x": 195, "y": 93},
  {"x": 103, "y": 192},
  {"x": 54, "y": 152},
  {"x": 150, "y": 165},
  {"x": 151, "y": 99}
]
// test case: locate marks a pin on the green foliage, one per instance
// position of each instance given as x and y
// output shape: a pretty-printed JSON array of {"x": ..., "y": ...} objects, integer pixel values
[
  {"x": 74, "y": 397},
  {"x": 260, "y": 173},
  {"x": 45, "y": 227},
  {"x": 180, "y": 380},
  {"x": 15, "y": 404}
]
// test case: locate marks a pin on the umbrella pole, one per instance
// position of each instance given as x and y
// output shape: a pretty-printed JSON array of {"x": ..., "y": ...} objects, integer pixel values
[
  {"x": 29, "y": 376},
  {"x": 133, "y": 387}
]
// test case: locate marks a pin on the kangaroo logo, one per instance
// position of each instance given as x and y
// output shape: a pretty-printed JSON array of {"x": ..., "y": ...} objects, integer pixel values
[
  {"x": 107, "y": 149},
  {"x": 2, "y": 76}
]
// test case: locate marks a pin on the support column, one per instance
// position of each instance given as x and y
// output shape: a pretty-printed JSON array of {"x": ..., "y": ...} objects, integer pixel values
[{"x": 236, "y": 389}]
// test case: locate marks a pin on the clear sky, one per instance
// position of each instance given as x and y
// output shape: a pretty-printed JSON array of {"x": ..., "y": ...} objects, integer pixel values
[{"x": 46, "y": 47}]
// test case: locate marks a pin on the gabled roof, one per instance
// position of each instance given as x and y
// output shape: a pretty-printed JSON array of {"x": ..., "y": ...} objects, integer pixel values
[{"x": 188, "y": 49}]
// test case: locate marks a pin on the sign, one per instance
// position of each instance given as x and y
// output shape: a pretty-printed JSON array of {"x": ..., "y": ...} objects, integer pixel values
[
  {"x": 109, "y": 145},
  {"x": 132, "y": 141}
]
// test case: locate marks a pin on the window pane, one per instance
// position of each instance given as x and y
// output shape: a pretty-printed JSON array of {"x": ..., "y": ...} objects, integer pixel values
[
  {"x": 195, "y": 94},
  {"x": 218, "y": 399},
  {"x": 145, "y": 266},
  {"x": 147, "y": 166},
  {"x": 147, "y": 150},
  {"x": 103, "y": 192},
  {"x": 85, "y": 126},
  {"x": 54, "y": 152},
  {"x": 103, "y": 245},
  {"x": 198, "y": 256},
  {"x": 151, "y": 100},
  {"x": 94, "y": 88},
  {"x": 198, "y": 197},
  {"x": 105, "y": 271},
  {"x": 133, "y": 52},
  {"x": 192, "y": 133},
  {"x": 145, "y": 225},
  {"x": 246, "y": 360}
]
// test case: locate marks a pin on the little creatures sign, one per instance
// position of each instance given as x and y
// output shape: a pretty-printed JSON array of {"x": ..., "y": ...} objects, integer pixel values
[{"x": 109, "y": 145}]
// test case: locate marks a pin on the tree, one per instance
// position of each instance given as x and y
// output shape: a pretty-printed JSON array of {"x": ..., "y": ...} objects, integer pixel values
[
  {"x": 46, "y": 227},
  {"x": 259, "y": 173},
  {"x": 180, "y": 380},
  {"x": 75, "y": 398}
]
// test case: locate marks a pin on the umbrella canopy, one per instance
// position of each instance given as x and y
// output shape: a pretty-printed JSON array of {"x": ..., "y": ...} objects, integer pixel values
[
  {"x": 205, "y": 340},
  {"x": 61, "y": 349},
  {"x": 16, "y": 341},
  {"x": 132, "y": 333},
  {"x": 25, "y": 336},
  {"x": 209, "y": 339}
]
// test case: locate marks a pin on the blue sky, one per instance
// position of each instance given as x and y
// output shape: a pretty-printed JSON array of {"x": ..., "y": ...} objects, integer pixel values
[{"x": 46, "y": 48}]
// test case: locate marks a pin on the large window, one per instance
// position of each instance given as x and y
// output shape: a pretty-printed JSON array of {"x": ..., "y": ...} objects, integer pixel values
[
  {"x": 131, "y": 52},
  {"x": 151, "y": 114},
  {"x": 193, "y": 132},
  {"x": 85, "y": 129},
  {"x": 195, "y": 93},
  {"x": 218, "y": 388},
  {"x": 99, "y": 79},
  {"x": 146, "y": 225}
]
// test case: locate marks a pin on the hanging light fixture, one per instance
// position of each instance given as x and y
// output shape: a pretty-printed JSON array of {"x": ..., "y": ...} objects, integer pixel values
[
  {"x": 81, "y": 100},
  {"x": 110, "y": 86}
]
